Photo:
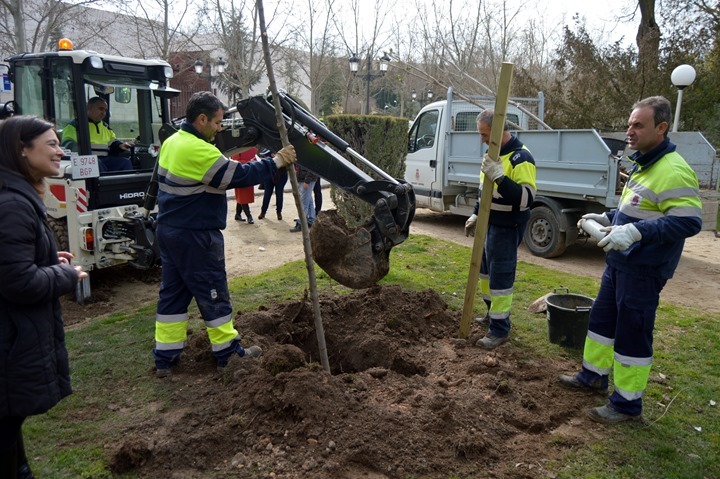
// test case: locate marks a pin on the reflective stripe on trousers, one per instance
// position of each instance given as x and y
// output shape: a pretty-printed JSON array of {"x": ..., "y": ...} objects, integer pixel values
[
  {"x": 497, "y": 274},
  {"x": 620, "y": 336},
  {"x": 193, "y": 267}
]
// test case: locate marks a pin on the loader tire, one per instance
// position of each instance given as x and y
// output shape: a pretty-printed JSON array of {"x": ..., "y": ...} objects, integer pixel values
[{"x": 59, "y": 228}]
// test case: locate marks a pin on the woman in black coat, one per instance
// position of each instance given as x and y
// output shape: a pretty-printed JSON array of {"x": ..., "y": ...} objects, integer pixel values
[{"x": 34, "y": 370}]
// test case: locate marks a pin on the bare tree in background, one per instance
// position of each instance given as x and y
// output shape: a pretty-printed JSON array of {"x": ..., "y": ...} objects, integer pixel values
[
  {"x": 34, "y": 25},
  {"x": 162, "y": 27},
  {"x": 240, "y": 39},
  {"x": 312, "y": 64},
  {"x": 236, "y": 27}
]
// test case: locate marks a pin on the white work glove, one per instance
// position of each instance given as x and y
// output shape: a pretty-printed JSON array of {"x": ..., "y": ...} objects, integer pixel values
[
  {"x": 619, "y": 237},
  {"x": 493, "y": 169},
  {"x": 602, "y": 219},
  {"x": 285, "y": 157},
  {"x": 470, "y": 225}
]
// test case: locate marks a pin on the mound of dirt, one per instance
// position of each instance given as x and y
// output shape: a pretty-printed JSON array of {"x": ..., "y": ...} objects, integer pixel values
[{"x": 404, "y": 400}]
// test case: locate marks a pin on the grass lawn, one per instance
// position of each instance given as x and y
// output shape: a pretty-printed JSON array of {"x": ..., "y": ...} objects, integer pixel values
[{"x": 111, "y": 363}]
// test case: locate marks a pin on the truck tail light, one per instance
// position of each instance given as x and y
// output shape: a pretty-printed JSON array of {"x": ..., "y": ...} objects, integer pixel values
[{"x": 87, "y": 239}]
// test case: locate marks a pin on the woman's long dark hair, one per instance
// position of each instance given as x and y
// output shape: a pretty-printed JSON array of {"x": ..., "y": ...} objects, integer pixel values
[{"x": 16, "y": 133}]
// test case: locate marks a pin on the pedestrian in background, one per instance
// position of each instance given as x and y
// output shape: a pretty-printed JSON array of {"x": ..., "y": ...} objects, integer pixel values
[
  {"x": 275, "y": 184},
  {"x": 513, "y": 180},
  {"x": 34, "y": 367},
  {"x": 306, "y": 180},
  {"x": 193, "y": 176},
  {"x": 317, "y": 193},
  {"x": 659, "y": 207},
  {"x": 246, "y": 195}
]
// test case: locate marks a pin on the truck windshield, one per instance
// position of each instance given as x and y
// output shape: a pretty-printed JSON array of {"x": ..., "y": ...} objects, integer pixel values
[{"x": 28, "y": 90}]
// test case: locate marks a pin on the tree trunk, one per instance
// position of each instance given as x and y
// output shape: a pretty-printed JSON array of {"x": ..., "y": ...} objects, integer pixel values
[
  {"x": 19, "y": 21},
  {"x": 648, "y": 42}
]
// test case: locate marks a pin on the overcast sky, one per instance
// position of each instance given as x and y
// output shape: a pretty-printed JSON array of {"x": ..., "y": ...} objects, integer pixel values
[{"x": 606, "y": 20}]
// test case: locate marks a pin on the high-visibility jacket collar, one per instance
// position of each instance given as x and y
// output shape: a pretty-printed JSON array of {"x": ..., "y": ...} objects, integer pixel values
[{"x": 644, "y": 161}]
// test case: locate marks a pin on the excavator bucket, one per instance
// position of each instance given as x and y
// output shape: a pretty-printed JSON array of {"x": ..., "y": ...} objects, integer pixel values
[
  {"x": 355, "y": 257},
  {"x": 347, "y": 254}
]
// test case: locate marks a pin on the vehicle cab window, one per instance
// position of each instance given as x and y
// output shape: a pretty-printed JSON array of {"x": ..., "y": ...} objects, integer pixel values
[{"x": 424, "y": 130}]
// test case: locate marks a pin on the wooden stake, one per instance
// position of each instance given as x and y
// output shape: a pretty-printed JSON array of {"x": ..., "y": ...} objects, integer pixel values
[
  {"x": 309, "y": 264},
  {"x": 496, "y": 133}
]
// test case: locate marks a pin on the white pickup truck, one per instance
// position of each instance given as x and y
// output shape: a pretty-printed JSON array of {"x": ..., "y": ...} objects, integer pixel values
[{"x": 578, "y": 171}]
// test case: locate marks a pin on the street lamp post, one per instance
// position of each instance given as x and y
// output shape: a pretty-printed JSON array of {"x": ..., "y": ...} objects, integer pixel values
[
  {"x": 421, "y": 100},
  {"x": 682, "y": 76},
  {"x": 220, "y": 68},
  {"x": 369, "y": 75}
]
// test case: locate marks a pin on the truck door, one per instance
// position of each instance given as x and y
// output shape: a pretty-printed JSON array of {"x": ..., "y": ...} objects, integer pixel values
[{"x": 421, "y": 163}]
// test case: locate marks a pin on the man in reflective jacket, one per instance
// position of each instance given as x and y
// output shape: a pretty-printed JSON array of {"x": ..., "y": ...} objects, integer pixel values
[
  {"x": 103, "y": 142},
  {"x": 659, "y": 207},
  {"x": 513, "y": 176},
  {"x": 194, "y": 176}
]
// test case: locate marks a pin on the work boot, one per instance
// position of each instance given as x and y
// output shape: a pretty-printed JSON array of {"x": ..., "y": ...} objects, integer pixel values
[
  {"x": 251, "y": 353},
  {"x": 163, "y": 372},
  {"x": 491, "y": 342},
  {"x": 572, "y": 382},
  {"x": 608, "y": 415},
  {"x": 482, "y": 320}
]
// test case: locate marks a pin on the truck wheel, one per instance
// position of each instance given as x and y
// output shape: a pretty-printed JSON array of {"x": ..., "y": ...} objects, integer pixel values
[
  {"x": 543, "y": 236},
  {"x": 60, "y": 230}
]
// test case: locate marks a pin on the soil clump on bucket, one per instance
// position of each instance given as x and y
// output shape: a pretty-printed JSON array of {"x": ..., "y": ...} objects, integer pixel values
[{"x": 347, "y": 254}]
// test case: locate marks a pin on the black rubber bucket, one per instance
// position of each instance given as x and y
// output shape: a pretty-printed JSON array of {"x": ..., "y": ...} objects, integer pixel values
[{"x": 568, "y": 316}]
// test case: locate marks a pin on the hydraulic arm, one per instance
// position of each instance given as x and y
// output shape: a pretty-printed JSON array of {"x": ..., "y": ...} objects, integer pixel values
[{"x": 358, "y": 258}]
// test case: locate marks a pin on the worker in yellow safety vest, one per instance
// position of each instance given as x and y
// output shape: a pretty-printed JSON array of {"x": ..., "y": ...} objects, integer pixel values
[{"x": 659, "y": 207}]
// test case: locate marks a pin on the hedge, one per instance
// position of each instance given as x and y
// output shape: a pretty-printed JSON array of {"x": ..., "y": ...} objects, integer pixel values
[{"x": 382, "y": 140}]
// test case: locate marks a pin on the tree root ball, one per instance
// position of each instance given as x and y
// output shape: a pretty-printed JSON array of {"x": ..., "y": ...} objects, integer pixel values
[{"x": 346, "y": 254}]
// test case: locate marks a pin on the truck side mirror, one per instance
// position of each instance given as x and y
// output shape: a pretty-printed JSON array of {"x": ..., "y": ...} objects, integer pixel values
[{"x": 8, "y": 109}]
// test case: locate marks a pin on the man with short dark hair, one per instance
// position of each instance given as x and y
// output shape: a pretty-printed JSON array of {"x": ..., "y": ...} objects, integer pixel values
[
  {"x": 103, "y": 142},
  {"x": 513, "y": 176},
  {"x": 659, "y": 207},
  {"x": 102, "y": 138},
  {"x": 194, "y": 177}
]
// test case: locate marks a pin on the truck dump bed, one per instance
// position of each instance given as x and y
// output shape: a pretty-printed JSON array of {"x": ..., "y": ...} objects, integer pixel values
[{"x": 571, "y": 164}]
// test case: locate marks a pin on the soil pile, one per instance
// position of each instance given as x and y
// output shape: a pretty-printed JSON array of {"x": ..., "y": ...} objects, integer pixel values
[{"x": 404, "y": 399}]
